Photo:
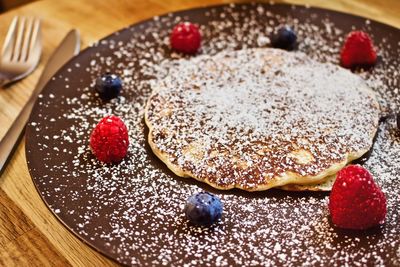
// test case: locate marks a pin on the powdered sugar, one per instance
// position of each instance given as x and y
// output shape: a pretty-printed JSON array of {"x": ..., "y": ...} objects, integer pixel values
[
  {"x": 133, "y": 211},
  {"x": 246, "y": 118}
]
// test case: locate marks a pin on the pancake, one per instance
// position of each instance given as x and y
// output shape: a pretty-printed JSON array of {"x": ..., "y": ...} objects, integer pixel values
[
  {"x": 258, "y": 118},
  {"x": 324, "y": 185}
]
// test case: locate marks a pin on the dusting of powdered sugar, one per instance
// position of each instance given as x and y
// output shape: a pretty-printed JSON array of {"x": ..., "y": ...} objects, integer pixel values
[
  {"x": 240, "y": 119},
  {"x": 132, "y": 211}
]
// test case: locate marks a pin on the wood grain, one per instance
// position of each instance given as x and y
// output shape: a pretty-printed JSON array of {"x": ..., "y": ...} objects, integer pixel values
[
  {"x": 13, "y": 222},
  {"x": 21, "y": 242},
  {"x": 29, "y": 233}
]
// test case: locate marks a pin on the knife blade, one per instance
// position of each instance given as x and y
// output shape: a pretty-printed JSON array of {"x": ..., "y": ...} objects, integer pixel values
[{"x": 69, "y": 47}]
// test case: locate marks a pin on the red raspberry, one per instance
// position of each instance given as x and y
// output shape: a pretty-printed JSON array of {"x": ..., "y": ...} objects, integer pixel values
[
  {"x": 356, "y": 202},
  {"x": 109, "y": 140},
  {"x": 185, "y": 38},
  {"x": 358, "y": 50}
]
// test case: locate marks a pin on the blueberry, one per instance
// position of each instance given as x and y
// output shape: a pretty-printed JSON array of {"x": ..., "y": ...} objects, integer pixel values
[
  {"x": 108, "y": 86},
  {"x": 203, "y": 209},
  {"x": 284, "y": 38}
]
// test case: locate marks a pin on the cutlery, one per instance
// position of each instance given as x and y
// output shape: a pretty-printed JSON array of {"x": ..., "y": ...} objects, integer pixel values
[
  {"x": 68, "y": 48},
  {"x": 21, "y": 50}
]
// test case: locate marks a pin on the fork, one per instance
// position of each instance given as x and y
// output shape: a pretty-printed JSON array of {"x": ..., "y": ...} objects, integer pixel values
[{"x": 21, "y": 50}]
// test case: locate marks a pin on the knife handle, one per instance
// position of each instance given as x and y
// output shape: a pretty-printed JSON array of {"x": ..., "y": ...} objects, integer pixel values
[{"x": 10, "y": 140}]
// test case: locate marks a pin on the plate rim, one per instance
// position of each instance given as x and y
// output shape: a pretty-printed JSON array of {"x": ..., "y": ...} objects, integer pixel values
[{"x": 87, "y": 49}]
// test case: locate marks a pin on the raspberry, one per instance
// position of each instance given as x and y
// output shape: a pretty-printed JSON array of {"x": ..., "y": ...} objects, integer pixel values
[
  {"x": 358, "y": 50},
  {"x": 109, "y": 140},
  {"x": 185, "y": 38},
  {"x": 356, "y": 202}
]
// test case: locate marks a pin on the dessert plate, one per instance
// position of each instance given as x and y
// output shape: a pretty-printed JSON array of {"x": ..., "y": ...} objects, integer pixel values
[{"x": 132, "y": 211}]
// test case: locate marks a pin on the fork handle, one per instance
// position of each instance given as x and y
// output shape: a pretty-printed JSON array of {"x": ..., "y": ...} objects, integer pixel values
[{"x": 10, "y": 140}]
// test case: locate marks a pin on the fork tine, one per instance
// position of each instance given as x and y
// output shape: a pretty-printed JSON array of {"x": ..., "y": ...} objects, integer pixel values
[
  {"x": 27, "y": 37},
  {"x": 10, "y": 40},
  {"x": 20, "y": 34},
  {"x": 35, "y": 38}
]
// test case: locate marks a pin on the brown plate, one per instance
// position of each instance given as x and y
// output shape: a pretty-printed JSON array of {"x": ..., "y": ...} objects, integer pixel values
[{"x": 132, "y": 211}]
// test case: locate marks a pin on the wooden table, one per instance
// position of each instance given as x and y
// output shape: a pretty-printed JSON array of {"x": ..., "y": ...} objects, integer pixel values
[{"x": 29, "y": 233}]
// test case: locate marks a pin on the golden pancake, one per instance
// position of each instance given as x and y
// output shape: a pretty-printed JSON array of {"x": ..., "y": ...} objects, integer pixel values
[
  {"x": 259, "y": 118},
  {"x": 324, "y": 185}
]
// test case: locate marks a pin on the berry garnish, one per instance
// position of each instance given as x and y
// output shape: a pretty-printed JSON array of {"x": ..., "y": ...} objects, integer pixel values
[
  {"x": 109, "y": 140},
  {"x": 284, "y": 38},
  {"x": 185, "y": 38},
  {"x": 358, "y": 50},
  {"x": 356, "y": 202},
  {"x": 108, "y": 86},
  {"x": 203, "y": 209}
]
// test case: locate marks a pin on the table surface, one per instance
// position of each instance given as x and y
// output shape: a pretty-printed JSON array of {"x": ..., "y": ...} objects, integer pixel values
[{"x": 29, "y": 233}]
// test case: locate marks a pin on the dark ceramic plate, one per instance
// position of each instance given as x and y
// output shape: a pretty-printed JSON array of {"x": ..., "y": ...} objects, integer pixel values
[{"x": 132, "y": 211}]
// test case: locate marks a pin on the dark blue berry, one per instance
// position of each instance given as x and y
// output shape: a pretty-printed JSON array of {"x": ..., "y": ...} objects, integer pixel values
[
  {"x": 108, "y": 86},
  {"x": 284, "y": 38},
  {"x": 203, "y": 209}
]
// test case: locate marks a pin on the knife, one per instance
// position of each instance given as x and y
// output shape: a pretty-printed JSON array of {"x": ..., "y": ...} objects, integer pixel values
[{"x": 69, "y": 47}]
